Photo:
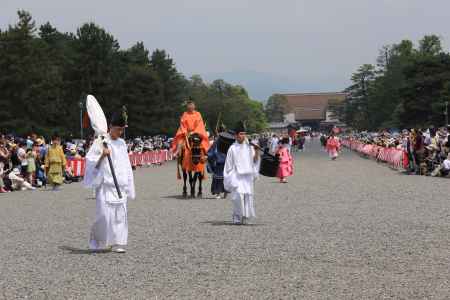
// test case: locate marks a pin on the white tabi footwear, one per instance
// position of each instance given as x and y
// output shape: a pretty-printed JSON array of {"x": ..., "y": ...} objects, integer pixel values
[
  {"x": 237, "y": 220},
  {"x": 119, "y": 250}
]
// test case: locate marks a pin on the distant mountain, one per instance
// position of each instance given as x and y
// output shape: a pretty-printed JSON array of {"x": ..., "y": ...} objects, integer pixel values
[{"x": 261, "y": 86}]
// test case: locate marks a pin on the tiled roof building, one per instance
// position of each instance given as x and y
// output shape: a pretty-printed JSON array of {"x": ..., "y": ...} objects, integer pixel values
[{"x": 311, "y": 108}]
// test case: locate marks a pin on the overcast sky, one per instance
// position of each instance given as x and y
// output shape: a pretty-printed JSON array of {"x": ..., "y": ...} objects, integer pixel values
[{"x": 315, "y": 44}]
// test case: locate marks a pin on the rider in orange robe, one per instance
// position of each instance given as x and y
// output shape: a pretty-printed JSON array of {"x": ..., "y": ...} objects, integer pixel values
[{"x": 191, "y": 122}]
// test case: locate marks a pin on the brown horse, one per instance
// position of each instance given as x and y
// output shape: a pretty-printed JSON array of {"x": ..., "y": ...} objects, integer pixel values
[{"x": 192, "y": 161}]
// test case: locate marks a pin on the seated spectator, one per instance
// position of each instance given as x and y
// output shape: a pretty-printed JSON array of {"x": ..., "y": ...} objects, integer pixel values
[
  {"x": 15, "y": 161},
  {"x": 41, "y": 180},
  {"x": 71, "y": 151},
  {"x": 41, "y": 147},
  {"x": 445, "y": 167},
  {"x": 4, "y": 159},
  {"x": 68, "y": 175},
  {"x": 22, "y": 156},
  {"x": 18, "y": 183},
  {"x": 431, "y": 160}
]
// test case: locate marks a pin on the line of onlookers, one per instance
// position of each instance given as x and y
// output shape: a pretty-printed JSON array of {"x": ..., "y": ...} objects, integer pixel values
[
  {"x": 22, "y": 160},
  {"x": 427, "y": 151}
]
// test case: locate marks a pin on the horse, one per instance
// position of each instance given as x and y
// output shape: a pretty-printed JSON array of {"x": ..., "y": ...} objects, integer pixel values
[{"x": 192, "y": 161}]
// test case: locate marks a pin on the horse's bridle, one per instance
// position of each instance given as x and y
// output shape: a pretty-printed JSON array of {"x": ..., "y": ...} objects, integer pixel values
[{"x": 196, "y": 150}]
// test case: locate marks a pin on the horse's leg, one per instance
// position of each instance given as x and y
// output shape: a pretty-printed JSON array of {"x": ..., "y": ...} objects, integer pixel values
[
  {"x": 184, "y": 184},
  {"x": 200, "y": 179},
  {"x": 197, "y": 177},
  {"x": 192, "y": 184}
]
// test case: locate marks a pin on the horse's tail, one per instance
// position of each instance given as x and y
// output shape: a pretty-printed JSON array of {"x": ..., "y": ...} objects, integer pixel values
[
  {"x": 179, "y": 162},
  {"x": 178, "y": 169}
]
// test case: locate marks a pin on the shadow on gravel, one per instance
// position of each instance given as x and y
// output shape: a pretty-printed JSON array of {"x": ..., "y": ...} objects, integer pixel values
[
  {"x": 48, "y": 190},
  {"x": 74, "y": 250},
  {"x": 228, "y": 223},
  {"x": 180, "y": 197}
]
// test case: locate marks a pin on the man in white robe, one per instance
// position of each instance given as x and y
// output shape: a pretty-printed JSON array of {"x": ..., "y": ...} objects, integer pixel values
[
  {"x": 274, "y": 144},
  {"x": 240, "y": 172},
  {"x": 110, "y": 229}
]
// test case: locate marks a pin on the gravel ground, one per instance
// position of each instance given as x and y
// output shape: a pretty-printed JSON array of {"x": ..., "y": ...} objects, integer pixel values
[{"x": 349, "y": 229}]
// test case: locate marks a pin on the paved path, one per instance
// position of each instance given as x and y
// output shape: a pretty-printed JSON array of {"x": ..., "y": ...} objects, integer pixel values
[{"x": 350, "y": 229}]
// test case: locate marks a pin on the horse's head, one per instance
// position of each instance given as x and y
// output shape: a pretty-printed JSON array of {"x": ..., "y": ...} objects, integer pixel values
[{"x": 195, "y": 140}]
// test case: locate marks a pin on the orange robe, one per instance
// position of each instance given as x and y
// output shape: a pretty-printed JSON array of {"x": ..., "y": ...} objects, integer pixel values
[{"x": 191, "y": 122}]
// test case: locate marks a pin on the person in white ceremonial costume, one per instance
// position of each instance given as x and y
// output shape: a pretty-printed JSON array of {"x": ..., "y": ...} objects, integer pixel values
[
  {"x": 110, "y": 229},
  {"x": 240, "y": 172}
]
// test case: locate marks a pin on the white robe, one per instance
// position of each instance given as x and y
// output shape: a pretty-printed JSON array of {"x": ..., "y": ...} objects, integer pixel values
[
  {"x": 274, "y": 145},
  {"x": 111, "y": 222},
  {"x": 240, "y": 173}
]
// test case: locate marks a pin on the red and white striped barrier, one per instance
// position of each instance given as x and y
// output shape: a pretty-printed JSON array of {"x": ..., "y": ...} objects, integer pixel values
[
  {"x": 78, "y": 166},
  {"x": 393, "y": 156},
  {"x": 148, "y": 158}
]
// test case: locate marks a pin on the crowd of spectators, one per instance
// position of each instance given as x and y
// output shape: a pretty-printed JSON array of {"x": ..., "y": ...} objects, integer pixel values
[
  {"x": 427, "y": 150},
  {"x": 271, "y": 141},
  {"x": 144, "y": 144},
  {"x": 22, "y": 160}
]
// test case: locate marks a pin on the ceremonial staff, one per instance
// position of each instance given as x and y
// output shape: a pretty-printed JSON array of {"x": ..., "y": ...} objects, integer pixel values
[{"x": 217, "y": 124}]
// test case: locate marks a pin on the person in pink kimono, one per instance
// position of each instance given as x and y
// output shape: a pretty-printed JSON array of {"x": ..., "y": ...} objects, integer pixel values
[
  {"x": 333, "y": 146},
  {"x": 286, "y": 167}
]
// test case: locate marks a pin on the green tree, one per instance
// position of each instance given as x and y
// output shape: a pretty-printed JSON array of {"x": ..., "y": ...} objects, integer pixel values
[
  {"x": 174, "y": 88},
  {"x": 23, "y": 60},
  {"x": 430, "y": 45},
  {"x": 386, "y": 89},
  {"x": 144, "y": 93},
  {"x": 358, "y": 107},
  {"x": 276, "y": 107},
  {"x": 45, "y": 74},
  {"x": 221, "y": 102},
  {"x": 426, "y": 90},
  {"x": 408, "y": 88}
]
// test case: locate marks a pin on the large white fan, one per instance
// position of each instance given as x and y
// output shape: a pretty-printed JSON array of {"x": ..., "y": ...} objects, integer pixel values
[{"x": 96, "y": 115}]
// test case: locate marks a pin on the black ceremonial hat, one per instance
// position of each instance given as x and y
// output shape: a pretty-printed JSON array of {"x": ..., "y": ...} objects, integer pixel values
[
  {"x": 240, "y": 127},
  {"x": 118, "y": 119}
]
